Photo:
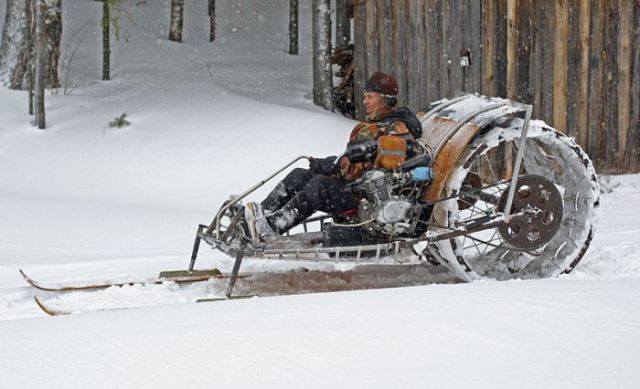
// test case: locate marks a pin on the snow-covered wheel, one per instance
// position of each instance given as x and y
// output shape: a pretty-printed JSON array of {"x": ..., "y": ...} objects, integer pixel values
[{"x": 480, "y": 180}]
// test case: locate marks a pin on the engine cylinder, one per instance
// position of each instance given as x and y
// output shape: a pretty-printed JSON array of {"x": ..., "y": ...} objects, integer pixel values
[{"x": 377, "y": 186}]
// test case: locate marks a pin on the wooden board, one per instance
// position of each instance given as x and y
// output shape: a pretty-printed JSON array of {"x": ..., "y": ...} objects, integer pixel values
[
  {"x": 560, "y": 62},
  {"x": 359, "y": 55}
]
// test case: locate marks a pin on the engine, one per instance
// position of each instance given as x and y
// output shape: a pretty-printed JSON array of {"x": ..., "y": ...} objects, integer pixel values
[{"x": 383, "y": 205}]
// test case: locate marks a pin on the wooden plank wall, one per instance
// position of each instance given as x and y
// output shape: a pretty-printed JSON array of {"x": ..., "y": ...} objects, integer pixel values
[{"x": 576, "y": 61}]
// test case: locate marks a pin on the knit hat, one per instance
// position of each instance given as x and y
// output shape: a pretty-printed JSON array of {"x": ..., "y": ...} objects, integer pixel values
[{"x": 382, "y": 83}]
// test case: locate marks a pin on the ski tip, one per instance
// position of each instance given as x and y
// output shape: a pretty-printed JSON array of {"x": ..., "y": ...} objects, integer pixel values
[
  {"x": 26, "y": 277},
  {"x": 48, "y": 310},
  {"x": 43, "y": 307}
]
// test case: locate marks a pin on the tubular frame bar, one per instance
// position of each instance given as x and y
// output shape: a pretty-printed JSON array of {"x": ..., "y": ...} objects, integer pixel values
[
  {"x": 215, "y": 224},
  {"x": 518, "y": 163}
]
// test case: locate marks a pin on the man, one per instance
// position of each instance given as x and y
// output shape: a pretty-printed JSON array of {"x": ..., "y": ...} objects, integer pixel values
[{"x": 323, "y": 187}]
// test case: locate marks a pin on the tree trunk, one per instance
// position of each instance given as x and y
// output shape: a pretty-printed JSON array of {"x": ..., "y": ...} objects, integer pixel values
[
  {"x": 322, "y": 77},
  {"x": 41, "y": 57},
  {"x": 53, "y": 38},
  {"x": 106, "y": 45},
  {"x": 14, "y": 49},
  {"x": 177, "y": 13},
  {"x": 293, "y": 27},
  {"x": 30, "y": 11},
  {"x": 212, "y": 20},
  {"x": 343, "y": 24}
]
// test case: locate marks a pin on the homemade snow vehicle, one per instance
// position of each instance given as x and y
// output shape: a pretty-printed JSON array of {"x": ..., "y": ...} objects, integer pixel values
[{"x": 509, "y": 198}]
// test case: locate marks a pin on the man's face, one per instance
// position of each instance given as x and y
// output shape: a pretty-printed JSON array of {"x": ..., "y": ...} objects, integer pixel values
[{"x": 373, "y": 103}]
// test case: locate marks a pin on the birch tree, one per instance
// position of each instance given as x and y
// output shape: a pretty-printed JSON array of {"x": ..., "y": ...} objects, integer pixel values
[
  {"x": 322, "y": 77},
  {"x": 15, "y": 53},
  {"x": 177, "y": 17}
]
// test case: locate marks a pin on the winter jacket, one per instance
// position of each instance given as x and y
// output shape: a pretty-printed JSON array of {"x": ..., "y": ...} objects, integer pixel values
[{"x": 394, "y": 130}]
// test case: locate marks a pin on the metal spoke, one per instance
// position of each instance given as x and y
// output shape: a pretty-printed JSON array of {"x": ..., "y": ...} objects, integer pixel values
[{"x": 490, "y": 240}]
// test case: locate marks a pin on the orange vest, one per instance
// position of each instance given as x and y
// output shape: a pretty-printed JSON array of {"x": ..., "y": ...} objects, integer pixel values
[{"x": 392, "y": 147}]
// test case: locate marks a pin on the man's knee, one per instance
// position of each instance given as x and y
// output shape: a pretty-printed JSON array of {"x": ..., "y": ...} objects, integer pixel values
[
  {"x": 299, "y": 176},
  {"x": 319, "y": 184},
  {"x": 299, "y": 172},
  {"x": 328, "y": 194}
]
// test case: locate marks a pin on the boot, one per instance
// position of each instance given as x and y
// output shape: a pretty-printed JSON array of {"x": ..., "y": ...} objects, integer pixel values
[{"x": 257, "y": 223}]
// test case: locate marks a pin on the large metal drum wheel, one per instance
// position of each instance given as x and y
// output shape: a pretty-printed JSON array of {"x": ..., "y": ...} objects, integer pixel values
[{"x": 558, "y": 183}]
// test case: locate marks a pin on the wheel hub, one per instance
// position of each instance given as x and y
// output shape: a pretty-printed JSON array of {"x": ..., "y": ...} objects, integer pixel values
[{"x": 541, "y": 202}]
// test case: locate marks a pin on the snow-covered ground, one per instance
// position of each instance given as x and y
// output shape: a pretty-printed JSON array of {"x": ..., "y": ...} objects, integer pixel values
[{"x": 81, "y": 201}]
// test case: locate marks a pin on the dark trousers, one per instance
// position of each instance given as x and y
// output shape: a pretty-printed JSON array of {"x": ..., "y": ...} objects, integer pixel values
[{"x": 300, "y": 194}]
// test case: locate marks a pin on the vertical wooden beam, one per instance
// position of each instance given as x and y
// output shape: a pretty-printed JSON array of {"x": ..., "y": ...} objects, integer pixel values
[
  {"x": 583, "y": 83},
  {"x": 444, "y": 45},
  {"x": 413, "y": 71},
  {"x": 462, "y": 42},
  {"x": 433, "y": 32},
  {"x": 385, "y": 13},
  {"x": 560, "y": 49},
  {"x": 573, "y": 66},
  {"x": 512, "y": 49},
  {"x": 416, "y": 13},
  {"x": 523, "y": 49},
  {"x": 624, "y": 82},
  {"x": 382, "y": 42},
  {"x": 633, "y": 137},
  {"x": 536, "y": 57},
  {"x": 548, "y": 34},
  {"x": 488, "y": 55},
  {"x": 501, "y": 48},
  {"x": 456, "y": 25},
  {"x": 421, "y": 54},
  {"x": 372, "y": 44},
  {"x": 359, "y": 55},
  {"x": 399, "y": 50},
  {"x": 597, "y": 83},
  {"x": 475, "y": 39},
  {"x": 611, "y": 116}
]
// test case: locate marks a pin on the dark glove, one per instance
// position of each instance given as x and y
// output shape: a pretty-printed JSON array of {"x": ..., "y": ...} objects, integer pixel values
[
  {"x": 362, "y": 150},
  {"x": 327, "y": 166}
]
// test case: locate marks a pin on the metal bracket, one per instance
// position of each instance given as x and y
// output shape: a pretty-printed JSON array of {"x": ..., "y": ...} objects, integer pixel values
[{"x": 518, "y": 162}]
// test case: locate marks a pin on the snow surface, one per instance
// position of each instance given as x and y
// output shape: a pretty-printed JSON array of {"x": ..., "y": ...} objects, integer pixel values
[{"x": 81, "y": 201}]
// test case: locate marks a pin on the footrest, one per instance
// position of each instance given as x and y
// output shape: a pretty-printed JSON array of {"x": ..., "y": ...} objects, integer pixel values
[
  {"x": 213, "y": 299},
  {"x": 192, "y": 273}
]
